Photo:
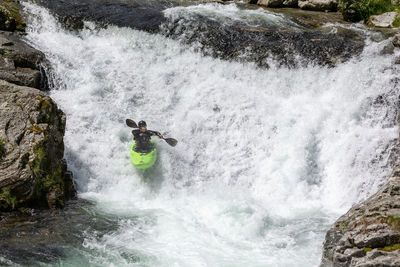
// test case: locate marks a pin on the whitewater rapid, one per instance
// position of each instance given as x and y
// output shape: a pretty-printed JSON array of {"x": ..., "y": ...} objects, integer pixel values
[{"x": 267, "y": 158}]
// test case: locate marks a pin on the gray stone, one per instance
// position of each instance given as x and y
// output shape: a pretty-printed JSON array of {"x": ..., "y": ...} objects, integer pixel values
[
  {"x": 396, "y": 40},
  {"x": 292, "y": 3},
  {"x": 270, "y": 3},
  {"x": 384, "y": 20},
  {"x": 387, "y": 49},
  {"x": 319, "y": 5},
  {"x": 10, "y": 18},
  {"x": 20, "y": 63},
  {"x": 369, "y": 233},
  {"x": 32, "y": 171}
]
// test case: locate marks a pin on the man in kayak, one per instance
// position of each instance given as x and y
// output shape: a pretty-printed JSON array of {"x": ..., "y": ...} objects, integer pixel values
[{"x": 142, "y": 137}]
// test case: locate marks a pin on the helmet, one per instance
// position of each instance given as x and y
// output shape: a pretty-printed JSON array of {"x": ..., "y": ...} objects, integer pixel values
[{"x": 142, "y": 123}]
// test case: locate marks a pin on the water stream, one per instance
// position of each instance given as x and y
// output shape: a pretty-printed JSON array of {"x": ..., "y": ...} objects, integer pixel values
[{"x": 267, "y": 158}]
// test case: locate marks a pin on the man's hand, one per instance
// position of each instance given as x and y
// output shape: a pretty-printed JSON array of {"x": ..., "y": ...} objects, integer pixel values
[{"x": 161, "y": 136}]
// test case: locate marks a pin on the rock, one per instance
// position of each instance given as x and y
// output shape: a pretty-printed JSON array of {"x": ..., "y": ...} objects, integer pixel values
[
  {"x": 20, "y": 63},
  {"x": 384, "y": 20},
  {"x": 32, "y": 171},
  {"x": 369, "y": 233},
  {"x": 387, "y": 49},
  {"x": 10, "y": 18},
  {"x": 319, "y": 5},
  {"x": 396, "y": 40},
  {"x": 291, "y": 3},
  {"x": 270, "y": 3}
]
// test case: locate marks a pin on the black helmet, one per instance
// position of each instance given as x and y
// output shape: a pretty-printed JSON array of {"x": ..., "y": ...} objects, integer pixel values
[{"x": 142, "y": 123}]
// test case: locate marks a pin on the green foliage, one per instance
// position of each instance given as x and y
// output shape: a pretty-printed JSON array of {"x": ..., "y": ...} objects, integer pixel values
[
  {"x": 390, "y": 248},
  {"x": 7, "y": 200},
  {"x": 396, "y": 22},
  {"x": 356, "y": 10},
  {"x": 2, "y": 148},
  {"x": 344, "y": 225},
  {"x": 367, "y": 250}
]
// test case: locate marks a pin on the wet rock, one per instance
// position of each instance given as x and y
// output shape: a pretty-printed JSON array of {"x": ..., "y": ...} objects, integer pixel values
[
  {"x": 396, "y": 40},
  {"x": 263, "y": 44},
  {"x": 32, "y": 171},
  {"x": 140, "y": 14},
  {"x": 31, "y": 237},
  {"x": 387, "y": 49},
  {"x": 384, "y": 20},
  {"x": 270, "y": 3},
  {"x": 290, "y": 3},
  {"x": 319, "y": 5},
  {"x": 10, "y": 18},
  {"x": 369, "y": 233},
  {"x": 20, "y": 63}
]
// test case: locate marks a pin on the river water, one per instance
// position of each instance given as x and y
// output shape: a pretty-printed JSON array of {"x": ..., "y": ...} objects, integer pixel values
[{"x": 267, "y": 158}]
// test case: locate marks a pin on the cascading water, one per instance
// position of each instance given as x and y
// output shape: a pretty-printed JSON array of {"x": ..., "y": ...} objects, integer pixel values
[{"x": 267, "y": 158}]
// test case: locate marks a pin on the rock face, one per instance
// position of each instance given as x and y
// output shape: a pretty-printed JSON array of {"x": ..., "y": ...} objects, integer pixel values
[
  {"x": 10, "y": 18},
  {"x": 32, "y": 171},
  {"x": 270, "y": 3},
  {"x": 384, "y": 20},
  {"x": 20, "y": 63},
  {"x": 369, "y": 233},
  {"x": 319, "y": 5},
  {"x": 396, "y": 40}
]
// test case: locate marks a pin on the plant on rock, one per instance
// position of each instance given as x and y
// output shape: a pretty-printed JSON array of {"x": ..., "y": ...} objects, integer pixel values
[
  {"x": 357, "y": 10},
  {"x": 2, "y": 148}
]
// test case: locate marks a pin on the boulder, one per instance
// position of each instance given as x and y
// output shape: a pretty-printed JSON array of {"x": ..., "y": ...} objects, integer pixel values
[
  {"x": 369, "y": 233},
  {"x": 396, "y": 40},
  {"x": 291, "y": 3},
  {"x": 32, "y": 170},
  {"x": 319, "y": 5},
  {"x": 20, "y": 63},
  {"x": 385, "y": 20},
  {"x": 270, "y": 3},
  {"x": 10, "y": 18}
]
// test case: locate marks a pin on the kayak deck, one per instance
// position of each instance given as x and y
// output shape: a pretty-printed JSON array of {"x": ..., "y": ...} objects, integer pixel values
[{"x": 143, "y": 160}]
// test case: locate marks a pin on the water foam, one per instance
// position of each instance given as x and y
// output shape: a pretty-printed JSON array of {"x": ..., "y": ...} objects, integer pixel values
[{"x": 266, "y": 159}]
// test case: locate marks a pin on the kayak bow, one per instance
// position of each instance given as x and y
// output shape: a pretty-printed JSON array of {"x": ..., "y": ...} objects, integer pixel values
[{"x": 143, "y": 160}]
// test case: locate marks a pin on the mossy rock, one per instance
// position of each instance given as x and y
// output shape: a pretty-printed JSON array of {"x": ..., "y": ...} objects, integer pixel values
[
  {"x": 2, "y": 148},
  {"x": 7, "y": 200},
  {"x": 10, "y": 16},
  {"x": 361, "y": 10}
]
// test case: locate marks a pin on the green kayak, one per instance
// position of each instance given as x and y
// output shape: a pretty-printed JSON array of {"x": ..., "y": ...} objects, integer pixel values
[{"x": 143, "y": 160}]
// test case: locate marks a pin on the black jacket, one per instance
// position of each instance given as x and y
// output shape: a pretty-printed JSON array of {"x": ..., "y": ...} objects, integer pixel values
[{"x": 142, "y": 140}]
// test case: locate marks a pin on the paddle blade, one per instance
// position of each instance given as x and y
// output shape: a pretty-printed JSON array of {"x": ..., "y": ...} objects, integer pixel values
[
  {"x": 131, "y": 123},
  {"x": 171, "y": 141}
]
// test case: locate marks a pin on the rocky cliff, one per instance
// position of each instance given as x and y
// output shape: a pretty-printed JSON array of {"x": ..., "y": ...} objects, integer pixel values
[
  {"x": 33, "y": 172},
  {"x": 369, "y": 233}
]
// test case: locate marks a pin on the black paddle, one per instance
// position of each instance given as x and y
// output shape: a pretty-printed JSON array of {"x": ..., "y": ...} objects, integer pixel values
[
  {"x": 131, "y": 123},
  {"x": 170, "y": 141}
]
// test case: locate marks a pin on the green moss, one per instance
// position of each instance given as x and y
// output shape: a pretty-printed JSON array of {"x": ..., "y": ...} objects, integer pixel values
[
  {"x": 356, "y": 10},
  {"x": 344, "y": 225},
  {"x": 7, "y": 200},
  {"x": 390, "y": 248},
  {"x": 367, "y": 250},
  {"x": 35, "y": 129},
  {"x": 394, "y": 221},
  {"x": 48, "y": 179},
  {"x": 11, "y": 9},
  {"x": 396, "y": 22},
  {"x": 2, "y": 148}
]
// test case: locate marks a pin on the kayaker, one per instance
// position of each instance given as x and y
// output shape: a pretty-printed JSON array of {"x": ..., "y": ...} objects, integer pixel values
[{"x": 142, "y": 137}]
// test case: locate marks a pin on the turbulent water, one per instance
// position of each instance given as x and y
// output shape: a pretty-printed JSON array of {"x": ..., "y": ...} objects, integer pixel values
[{"x": 267, "y": 159}]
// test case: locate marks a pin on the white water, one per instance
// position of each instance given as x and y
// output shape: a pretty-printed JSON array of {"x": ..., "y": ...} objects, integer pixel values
[{"x": 266, "y": 160}]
